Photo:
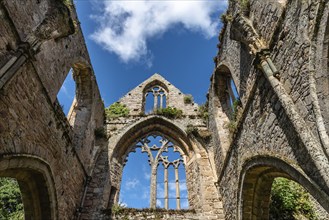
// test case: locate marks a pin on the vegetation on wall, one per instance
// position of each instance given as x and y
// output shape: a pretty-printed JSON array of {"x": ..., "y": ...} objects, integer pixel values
[
  {"x": 170, "y": 112},
  {"x": 290, "y": 201},
  {"x": 191, "y": 129},
  {"x": 11, "y": 205},
  {"x": 245, "y": 4},
  {"x": 225, "y": 18},
  {"x": 203, "y": 111},
  {"x": 116, "y": 110},
  {"x": 188, "y": 99},
  {"x": 236, "y": 114}
]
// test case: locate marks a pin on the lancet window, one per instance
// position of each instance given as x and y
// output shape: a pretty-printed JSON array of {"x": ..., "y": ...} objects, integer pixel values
[
  {"x": 227, "y": 91},
  {"x": 155, "y": 98}
]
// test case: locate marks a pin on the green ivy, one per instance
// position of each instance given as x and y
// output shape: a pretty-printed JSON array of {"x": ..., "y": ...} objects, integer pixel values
[
  {"x": 11, "y": 205},
  {"x": 170, "y": 112},
  {"x": 116, "y": 110},
  {"x": 290, "y": 201}
]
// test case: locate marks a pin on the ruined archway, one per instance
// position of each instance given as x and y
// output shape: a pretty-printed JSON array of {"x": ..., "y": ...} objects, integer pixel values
[
  {"x": 81, "y": 108},
  {"x": 255, "y": 184},
  {"x": 156, "y": 125},
  {"x": 35, "y": 182}
]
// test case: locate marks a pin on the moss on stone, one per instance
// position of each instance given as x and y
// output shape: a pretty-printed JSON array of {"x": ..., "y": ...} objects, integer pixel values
[{"x": 116, "y": 110}]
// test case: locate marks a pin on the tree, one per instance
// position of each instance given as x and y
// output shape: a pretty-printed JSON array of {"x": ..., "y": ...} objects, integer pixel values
[
  {"x": 11, "y": 205},
  {"x": 289, "y": 201}
]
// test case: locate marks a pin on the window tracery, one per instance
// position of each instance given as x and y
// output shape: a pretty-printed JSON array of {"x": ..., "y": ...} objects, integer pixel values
[
  {"x": 159, "y": 98},
  {"x": 156, "y": 147}
]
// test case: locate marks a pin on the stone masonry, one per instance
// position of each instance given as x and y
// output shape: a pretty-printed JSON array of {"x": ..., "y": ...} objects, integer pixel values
[{"x": 276, "y": 53}]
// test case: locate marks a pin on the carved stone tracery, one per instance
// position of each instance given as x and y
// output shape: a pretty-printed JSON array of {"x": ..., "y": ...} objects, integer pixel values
[{"x": 155, "y": 160}]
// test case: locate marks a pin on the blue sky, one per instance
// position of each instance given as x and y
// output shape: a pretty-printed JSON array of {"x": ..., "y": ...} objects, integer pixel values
[{"x": 128, "y": 41}]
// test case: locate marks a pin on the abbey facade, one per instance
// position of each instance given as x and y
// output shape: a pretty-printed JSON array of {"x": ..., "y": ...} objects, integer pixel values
[{"x": 275, "y": 52}]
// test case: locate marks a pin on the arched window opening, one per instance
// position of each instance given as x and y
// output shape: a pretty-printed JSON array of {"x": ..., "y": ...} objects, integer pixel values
[
  {"x": 155, "y": 98},
  {"x": 227, "y": 92},
  {"x": 66, "y": 94},
  {"x": 11, "y": 204},
  {"x": 158, "y": 176}
]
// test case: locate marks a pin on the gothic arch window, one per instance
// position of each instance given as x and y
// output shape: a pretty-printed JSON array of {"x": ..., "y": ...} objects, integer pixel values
[
  {"x": 155, "y": 97},
  {"x": 78, "y": 90},
  {"x": 163, "y": 168},
  {"x": 226, "y": 91}
]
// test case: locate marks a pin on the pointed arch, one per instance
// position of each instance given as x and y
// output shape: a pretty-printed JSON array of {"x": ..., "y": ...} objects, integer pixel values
[
  {"x": 158, "y": 125},
  {"x": 225, "y": 89},
  {"x": 159, "y": 91},
  {"x": 153, "y": 124},
  {"x": 80, "y": 112}
]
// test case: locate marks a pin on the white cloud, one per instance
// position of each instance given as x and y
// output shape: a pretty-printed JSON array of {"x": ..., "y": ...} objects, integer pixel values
[
  {"x": 131, "y": 183},
  {"x": 125, "y": 26}
]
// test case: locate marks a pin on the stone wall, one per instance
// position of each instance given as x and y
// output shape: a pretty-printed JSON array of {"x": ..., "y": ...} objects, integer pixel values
[
  {"x": 39, "y": 45},
  {"x": 280, "y": 128},
  {"x": 155, "y": 214}
]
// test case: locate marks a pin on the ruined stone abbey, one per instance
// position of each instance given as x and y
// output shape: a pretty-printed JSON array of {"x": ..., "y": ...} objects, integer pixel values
[{"x": 276, "y": 53}]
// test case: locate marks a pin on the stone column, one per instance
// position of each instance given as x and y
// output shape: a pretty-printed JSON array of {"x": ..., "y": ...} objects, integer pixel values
[
  {"x": 176, "y": 165},
  {"x": 166, "y": 203},
  {"x": 161, "y": 100},
  {"x": 153, "y": 186},
  {"x": 155, "y": 106}
]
